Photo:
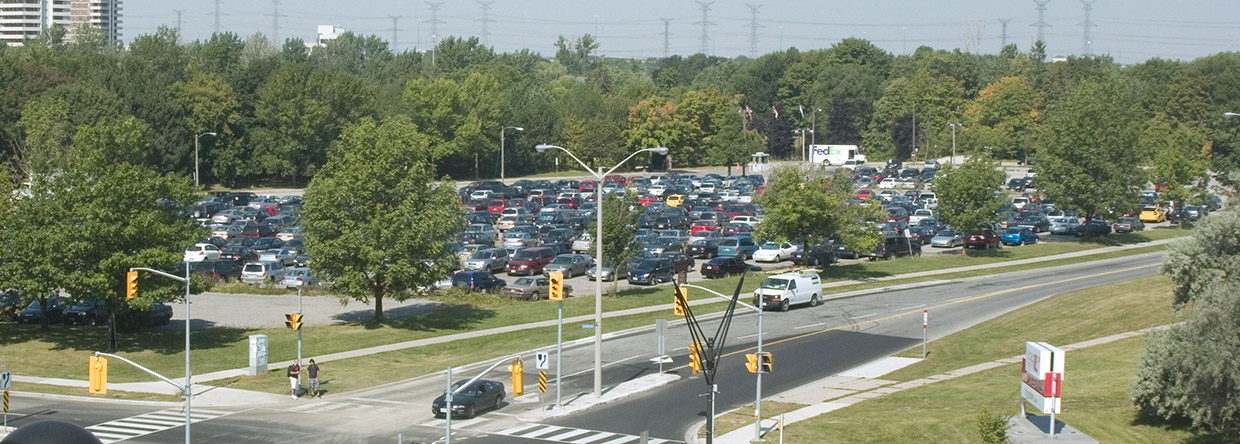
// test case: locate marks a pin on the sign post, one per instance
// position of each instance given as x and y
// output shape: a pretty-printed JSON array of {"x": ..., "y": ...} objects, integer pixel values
[
  {"x": 1041, "y": 375},
  {"x": 6, "y": 381},
  {"x": 925, "y": 326}
]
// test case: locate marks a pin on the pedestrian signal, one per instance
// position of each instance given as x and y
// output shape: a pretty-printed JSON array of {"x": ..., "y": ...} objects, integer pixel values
[
  {"x": 98, "y": 375},
  {"x": 518, "y": 377},
  {"x": 768, "y": 363}
]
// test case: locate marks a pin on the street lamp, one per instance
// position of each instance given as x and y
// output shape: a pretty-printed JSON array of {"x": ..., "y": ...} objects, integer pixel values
[
  {"x": 953, "y": 125},
  {"x": 196, "y": 154},
  {"x": 1231, "y": 114},
  {"x": 598, "y": 261},
  {"x": 813, "y": 125},
  {"x": 501, "y": 148}
]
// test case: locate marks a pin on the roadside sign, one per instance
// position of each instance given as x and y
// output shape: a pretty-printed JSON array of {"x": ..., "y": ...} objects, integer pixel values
[
  {"x": 587, "y": 325},
  {"x": 6, "y": 380},
  {"x": 541, "y": 361}
]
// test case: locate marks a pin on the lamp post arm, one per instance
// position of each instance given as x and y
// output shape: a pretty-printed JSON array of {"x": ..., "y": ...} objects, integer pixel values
[
  {"x": 583, "y": 164},
  {"x": 170, "y": 276},
  {"x": 626, "y": 159}
]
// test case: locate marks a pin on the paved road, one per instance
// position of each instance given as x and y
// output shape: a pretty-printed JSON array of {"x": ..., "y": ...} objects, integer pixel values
[{"x": 808, "y": 343}]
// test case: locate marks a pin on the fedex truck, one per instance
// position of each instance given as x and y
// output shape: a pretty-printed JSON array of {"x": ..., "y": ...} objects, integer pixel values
[{"x": 834, "y": 154}]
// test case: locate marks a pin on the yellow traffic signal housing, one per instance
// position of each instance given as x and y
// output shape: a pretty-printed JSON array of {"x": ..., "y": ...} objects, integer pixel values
[
  {"x": 556, "y": 284},
  {"x": 695, "y": 357},
  {"x": 293, "y": 320},
  {"x": 768, "y": 363},
  {"x": 751, "y": 362},
  {"x": 679, "y": 293},
  {"x": 131, "y": 285},
  {"x": 518, "y": 377},
  {"x": 98, "y": 375}
]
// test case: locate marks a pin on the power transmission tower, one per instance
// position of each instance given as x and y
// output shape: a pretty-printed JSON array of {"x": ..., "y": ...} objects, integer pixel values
[
  {"x": 667, "y": 42},
  {"x": 486, "y": 35},
  {"x": 1087, "y": 38},
  {"x": 1041, "y": 23},
  {"x": 1003, "y": 38},
  {"x": 216, "y": 23},
  {"x": 434, "y": 21},
  {"x": 704, "y": 39},
  {"x": 395, "y": 28},
  {"x": 178, "y": 11},
  {"x": 753, "y": 30},
  {"x": 275, "y": 20}
]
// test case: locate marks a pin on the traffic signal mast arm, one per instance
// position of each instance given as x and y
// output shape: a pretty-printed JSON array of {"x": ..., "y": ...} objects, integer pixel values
[{"x": 709, "y": 350}]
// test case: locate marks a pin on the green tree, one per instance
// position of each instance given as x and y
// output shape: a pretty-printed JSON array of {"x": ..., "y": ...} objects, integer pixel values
[
  {"x": 932, "y": 100},
  {"x": 1004, "y": 116},
  {"x": 461, "y": 117},
  {"x": 620, "y": 216},
  {"x": 575, "y": 55},
  {"x": 376, "y": 222},
  {"x": 1089, "y": 153},
  {"x": 1190, "y": 370},
  {"x": 1179, "y": 157},
  {"x": 966, "y": 194},
  {"x": 809, "y": 208}
]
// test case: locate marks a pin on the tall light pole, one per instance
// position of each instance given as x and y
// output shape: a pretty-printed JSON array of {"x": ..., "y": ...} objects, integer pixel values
[
  {"x": 813, "y": 125},
  {"x": 501, "y": 148},
  {"x": 196, "y": 154},
  {"x": 954, "y": 126},
  {"x": 598, "y": 253},
  {"x": 1231, "y": 114}
]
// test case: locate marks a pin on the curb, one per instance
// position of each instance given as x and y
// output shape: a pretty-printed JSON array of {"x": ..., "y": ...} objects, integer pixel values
[{"x": 98, "y": 400}]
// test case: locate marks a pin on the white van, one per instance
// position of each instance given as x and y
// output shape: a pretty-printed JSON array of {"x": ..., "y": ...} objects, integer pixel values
[{"x": 783, "y": 290}]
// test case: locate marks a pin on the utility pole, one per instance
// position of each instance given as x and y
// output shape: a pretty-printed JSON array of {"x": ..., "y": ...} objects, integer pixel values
[
  {"x": 753, "y": 29},
  {"x": 275, "y": 20},
  {"x": 395, "y": 28},
  {"x": 667, "y": 24},
  {"x": 486, "y": 8},
  {"x": 1087, "y": 34},
  {"x": 704, "y": 39},
  {"x": 216, "y": 23},
  {"x": 1003, "y": 38},
  {"x": 1041, "y": 23}
]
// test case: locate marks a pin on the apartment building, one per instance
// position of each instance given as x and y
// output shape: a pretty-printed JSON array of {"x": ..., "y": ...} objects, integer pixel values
[{"x": 25, "y": 19}]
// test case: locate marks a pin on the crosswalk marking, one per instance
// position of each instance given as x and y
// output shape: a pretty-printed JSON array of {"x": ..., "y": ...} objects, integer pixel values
[
  {"x": 456, "y": 423},
  {"x": 570, "y": 435},
  {"x": 145, "y": 424}
]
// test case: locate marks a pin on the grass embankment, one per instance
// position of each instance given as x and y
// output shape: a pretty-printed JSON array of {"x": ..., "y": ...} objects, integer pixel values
[
  {"x": 1096, "y": 386},
  {"x": 61, "y": 352}
]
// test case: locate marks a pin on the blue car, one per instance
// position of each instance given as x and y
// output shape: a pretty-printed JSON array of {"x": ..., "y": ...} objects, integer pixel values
[
  {"x": 1020, "y": 236},
  {"x": 739, "y": 246}
]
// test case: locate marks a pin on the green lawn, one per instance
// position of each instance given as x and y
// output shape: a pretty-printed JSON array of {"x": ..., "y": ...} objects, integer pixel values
[{"x": 1097, "y": 383}]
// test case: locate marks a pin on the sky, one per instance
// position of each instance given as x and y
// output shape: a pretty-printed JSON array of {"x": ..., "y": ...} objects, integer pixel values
[{"x": 1131, "y": 31}]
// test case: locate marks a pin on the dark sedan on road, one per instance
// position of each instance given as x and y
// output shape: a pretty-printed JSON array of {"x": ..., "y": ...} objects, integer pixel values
[
  {"x": 725, "y": 266},
  {"x": 480, "y": 396}
]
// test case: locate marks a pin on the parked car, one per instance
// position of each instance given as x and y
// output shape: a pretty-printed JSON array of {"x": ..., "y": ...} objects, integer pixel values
[
  {"x": 818, "y": 254},
  {"x": 1064, "y": 225},
  {"x": 298, "y": 277},
  {"x": 651, "y": 271},
  {"x": 947, "y": 239},
  {"x": 488, "y": 259},
  {"x": 1096, "y": 227},
  {"x": 1153, "y": 214},
  {"x": 680, "y": 262},
  {"x": 894, "y": 246},
  {"x": 569, "y": 264},
  {"x": 783, "y": 290},
  {"x": 1128, "y": 225},
  {"x": 583, "y": 243},
  {"x": 201, "y": 252},
  {"x": 221, "y": 269},
  {"x": 87, "y": 312},
  {"x": 289, "y": 233},
  {"x": 984, "y": 238},
  {"x": 259, "y": 272},
  {"x": 610, "y": 273},
  {"x": 266, "y": 243},
  {"x": 284, "y": 256},
  {"x": 158, "y": 314},
  {"x": 480, "y": 396},
  {"x": 530, "y": 261},
  {"x": 724, "y": 266},
  {"x": 532, "y": 288},
  {"x": 705, "y": 249},
  {"x": 774, "y": 252},
  {"x": 1019, "y": 236},
  {"x": 742, "y": 246},
  {"x": 34, "y": 312},
  {"x": 1037, "y": 223},
  {"x": 519, "y": 240},
  {"x": 482, "y": 281}
]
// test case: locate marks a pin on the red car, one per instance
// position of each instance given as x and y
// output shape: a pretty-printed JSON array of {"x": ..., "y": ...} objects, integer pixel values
[
  {"x": 985, "y": 238},
  {"x": 680, "y": 262},
  {"x": 703, "y": 225},
  {"x": 617, "y": 179},
  {"x": 530, "y": 261},
  {"x": 586, "y": 184},
  {"x": 496, "y": 206},
  {"x": 648, "y": 199},
  {"x": 865, "y": 193}
]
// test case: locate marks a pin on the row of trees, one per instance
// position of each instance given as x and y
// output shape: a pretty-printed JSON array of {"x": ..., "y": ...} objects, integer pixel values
[{"x": 278, "y": 107}]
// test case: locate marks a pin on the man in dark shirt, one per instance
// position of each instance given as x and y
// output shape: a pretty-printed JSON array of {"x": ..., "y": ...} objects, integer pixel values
[
  {"x": 294, "y": 377},
  {"x": 312, "y": 371}
]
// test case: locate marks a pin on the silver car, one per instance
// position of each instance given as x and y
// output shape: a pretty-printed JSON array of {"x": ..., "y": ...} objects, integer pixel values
[
  {"x": 490, "y": 259},
  {"x": 1064, "y": 225},
  {"x": 284, "y": 256},
  {"x": 947, "y": 239},
  {"x": 519, "y": 240},
  {"x": 298, "y": 277},
  {"x": 259, "y": 272},
  {"x": 569, "y": 264}
]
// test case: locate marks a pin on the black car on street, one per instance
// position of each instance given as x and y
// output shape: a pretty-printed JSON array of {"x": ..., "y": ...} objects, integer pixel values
[{"x": 480, "y": 396}]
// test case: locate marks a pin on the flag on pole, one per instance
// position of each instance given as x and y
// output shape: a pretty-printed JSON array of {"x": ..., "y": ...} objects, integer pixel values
[
  {"x": 775, "y": 111},
  {"x": 802, "y": 109}
]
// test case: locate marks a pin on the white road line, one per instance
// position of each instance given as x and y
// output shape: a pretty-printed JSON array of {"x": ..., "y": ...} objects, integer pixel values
[
  {"x": 810, "y": 326},
  {"x": 518, "y": 429},
  {"x": 595, "y": 438},
  {"x": 609, "y": 364},
  {"x": 910, "y": 308},
  {"x": 570, "y": 434},
  {"x": 751, "y": 336},
  {"x": 865, "y": 316},
  {"x": 625, "y": 438},
  {"x": 381, "y": 400},
  {"x": 541, "y": 431}
]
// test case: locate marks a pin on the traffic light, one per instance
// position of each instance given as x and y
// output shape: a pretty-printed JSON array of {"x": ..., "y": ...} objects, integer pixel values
[
  {"x": 131, "y": 285},
  {"x": 695, "y": 357},
  {"x": 556, "y": 287},
  {"x": 768, "y": 363},
  {"x": 751, "y": 362},
  {"x": 518, "y": 377},
  {"x": 98, "y": 375},
  {"x": 293, "y": 320},
  {"x": 679, "y": 294}
]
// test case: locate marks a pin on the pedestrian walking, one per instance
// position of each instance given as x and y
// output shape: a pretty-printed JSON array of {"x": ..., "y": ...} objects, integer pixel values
[
  {"x": 294, "y": 377},
  {"x": 312, "y": 372}
]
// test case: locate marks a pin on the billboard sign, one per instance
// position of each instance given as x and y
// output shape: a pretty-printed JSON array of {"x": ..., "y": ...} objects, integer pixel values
[{"x": 1041, "y": 376}]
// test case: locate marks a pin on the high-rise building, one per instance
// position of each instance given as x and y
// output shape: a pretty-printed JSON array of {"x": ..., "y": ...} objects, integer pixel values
[{"x": 25, "y": 19}]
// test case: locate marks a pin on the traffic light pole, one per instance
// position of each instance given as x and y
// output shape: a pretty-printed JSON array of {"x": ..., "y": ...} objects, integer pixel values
[
  {"x": 757, "y": 413},
  {"x": 559, "y": 350},
  {"x": 187, "y": 387},
  {"x": 299, "y": 330},
  {"x": 713, "y": 351}
]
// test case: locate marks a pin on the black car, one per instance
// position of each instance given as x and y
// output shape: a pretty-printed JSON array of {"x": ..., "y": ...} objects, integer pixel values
[
  {"x": 33, "y": 312},
  {"x": 651, "y": 271},
  {"x": 239, "y": 254},
  {"x": 896, "y": 246},
  {"x": 704, "y": 249},
  {"x": 266, "y": 243},
  {"x": 821, "y": 254},
  {"x": 1097, "y": 227},
  {"x": 158, "y": 314},
  {"x": 469, "y": 401},
  {"x": 1039, "y": 224},
  {"x": 724, "y": 266},
  {"x": 88, "y": 312},
  {"x": 1016, "y": 184},
  {"x": 477, "y": 237},
  {"x": 222, "y": 269}
]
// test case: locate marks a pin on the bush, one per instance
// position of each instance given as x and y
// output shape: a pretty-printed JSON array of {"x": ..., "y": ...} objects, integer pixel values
[{"x": 992, "y": 427}]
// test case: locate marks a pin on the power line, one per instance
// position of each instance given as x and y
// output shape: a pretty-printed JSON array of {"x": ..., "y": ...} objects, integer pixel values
[
  {"x": 1003, "y": 38},
  {"x": 486, "y": 7},
  {"x": 1087, "y": 41},
  {"x": 667, "y": 42},
  {"x": 1041, "y": 23},
  {"x": 753, "y": 30},
  {"x": 704, "y": 39}
]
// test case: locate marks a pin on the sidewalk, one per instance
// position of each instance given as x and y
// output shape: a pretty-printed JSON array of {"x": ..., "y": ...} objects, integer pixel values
[
  {"x": 218, "y": 396},
  {"x": 859, "y": 384}
]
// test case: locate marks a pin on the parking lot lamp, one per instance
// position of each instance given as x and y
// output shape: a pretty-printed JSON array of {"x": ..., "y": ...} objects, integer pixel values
[
  {"x": 598, "y": 253},
  {"x": 501, "y": 148},
  {"x": 196, "y": 154},
  {"x": 954, "y": 126}
]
